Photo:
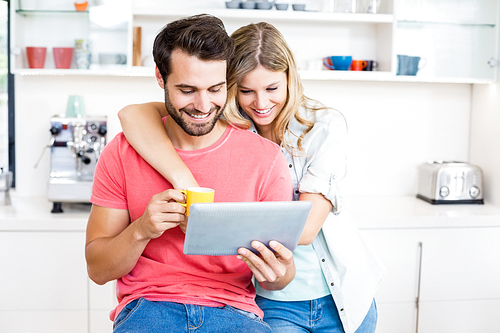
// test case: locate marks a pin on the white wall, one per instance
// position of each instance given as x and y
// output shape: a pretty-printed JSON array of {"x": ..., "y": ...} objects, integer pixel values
[
  {"x": 38, "y": 98},
  {"x": 485, "y": 138},
  {"x": 393, "y": 126}
]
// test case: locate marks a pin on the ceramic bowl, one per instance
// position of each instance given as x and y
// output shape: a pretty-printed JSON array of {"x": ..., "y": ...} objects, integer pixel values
[
  {"x": 248, "y": 5},
  {"x": 233, "y": 4},
  {"x": 264, "y": 5},
  {"x": 281, "y": 6},
  {"x": 298, "y": 6}
]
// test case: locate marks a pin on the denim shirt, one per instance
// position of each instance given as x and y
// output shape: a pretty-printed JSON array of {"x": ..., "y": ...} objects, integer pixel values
[{"x": 351, "y": 270}]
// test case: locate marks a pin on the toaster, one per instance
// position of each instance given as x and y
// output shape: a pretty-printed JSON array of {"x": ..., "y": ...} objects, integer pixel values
[{"x": 450, "y": 182}]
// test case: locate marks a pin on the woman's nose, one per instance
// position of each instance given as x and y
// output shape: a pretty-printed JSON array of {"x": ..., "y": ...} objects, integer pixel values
[{"x": 261, "y": 101}]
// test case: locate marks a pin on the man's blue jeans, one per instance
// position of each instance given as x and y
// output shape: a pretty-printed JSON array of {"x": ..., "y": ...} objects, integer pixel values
[
  {"x": 318, "y": 315},
  {"x": 142, "y": 316}
]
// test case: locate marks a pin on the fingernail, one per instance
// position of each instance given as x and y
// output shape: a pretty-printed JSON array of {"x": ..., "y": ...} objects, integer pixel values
[
  {"x": 255, "y": 245},
  {"x": 243, "y": 252},
  {"x": 273, "y": 244},
  {"x": 239, "y": 257}
]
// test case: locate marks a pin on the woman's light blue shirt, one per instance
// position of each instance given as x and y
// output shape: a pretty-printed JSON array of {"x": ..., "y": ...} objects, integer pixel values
[{"x": 338, "y": 262}]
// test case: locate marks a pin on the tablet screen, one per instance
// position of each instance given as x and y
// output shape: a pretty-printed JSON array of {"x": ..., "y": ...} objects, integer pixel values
[{"x": 221, "y": 228}]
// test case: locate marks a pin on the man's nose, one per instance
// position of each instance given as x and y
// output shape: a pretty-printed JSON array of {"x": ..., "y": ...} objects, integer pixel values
[{"x": 202, "y": 102}]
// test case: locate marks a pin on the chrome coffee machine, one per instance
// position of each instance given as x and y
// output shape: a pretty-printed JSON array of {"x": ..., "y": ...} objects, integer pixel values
[{"x": 75, "y": 147}]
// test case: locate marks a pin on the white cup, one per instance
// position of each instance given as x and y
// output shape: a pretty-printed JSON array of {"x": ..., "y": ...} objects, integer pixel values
[{"x": 112, "y": 58}]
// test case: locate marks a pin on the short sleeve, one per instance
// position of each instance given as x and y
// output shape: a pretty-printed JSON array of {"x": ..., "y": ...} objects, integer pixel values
[
  {"x": 108, "y": 188},
  {"x": 326, "y": 159}
]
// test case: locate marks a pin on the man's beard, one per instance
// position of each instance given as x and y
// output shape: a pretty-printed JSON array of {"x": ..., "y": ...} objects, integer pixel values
[{"x": 193, "y": 129}]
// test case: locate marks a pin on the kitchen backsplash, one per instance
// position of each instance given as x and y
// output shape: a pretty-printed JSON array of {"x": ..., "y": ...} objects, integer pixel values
[{"x": 393, "y": 127}]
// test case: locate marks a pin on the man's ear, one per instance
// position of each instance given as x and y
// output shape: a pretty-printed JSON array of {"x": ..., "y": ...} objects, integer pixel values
[{"x": 159, "y": 79}]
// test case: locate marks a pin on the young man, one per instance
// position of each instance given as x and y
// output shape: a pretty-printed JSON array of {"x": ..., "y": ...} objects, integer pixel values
[{"x": 133, "y": 232}]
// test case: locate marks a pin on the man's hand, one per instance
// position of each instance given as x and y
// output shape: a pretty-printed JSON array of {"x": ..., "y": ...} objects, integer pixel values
[
  {"x": 273, "y": 270},
  {"x": 162, "y": 213}
]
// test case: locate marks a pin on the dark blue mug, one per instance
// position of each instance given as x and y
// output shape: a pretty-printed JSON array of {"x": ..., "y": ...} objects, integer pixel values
[
  {"x": 338, "y": 63},
  {"x": 409, "y": 65}
]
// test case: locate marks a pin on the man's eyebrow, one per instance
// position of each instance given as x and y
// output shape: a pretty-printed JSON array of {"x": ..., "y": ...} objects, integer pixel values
[
  {"x": 182, "y": 85},
  {"x": 187, "y": 86}
]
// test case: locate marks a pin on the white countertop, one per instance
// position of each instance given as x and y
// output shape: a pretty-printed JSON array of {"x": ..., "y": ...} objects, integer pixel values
[
  {"x": 396, "y": 212},
  {"x": 386, "y": 212},
  {"x": 33, "y": 214}
]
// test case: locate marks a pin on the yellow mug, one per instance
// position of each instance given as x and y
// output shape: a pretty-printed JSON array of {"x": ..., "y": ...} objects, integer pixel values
[{"x": 196, "y": 195}]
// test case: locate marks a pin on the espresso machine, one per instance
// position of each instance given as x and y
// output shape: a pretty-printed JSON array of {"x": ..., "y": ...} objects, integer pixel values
[{"x": 75, "y": 147}]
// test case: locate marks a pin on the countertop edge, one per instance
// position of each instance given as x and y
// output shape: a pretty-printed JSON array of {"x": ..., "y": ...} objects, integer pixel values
[{"x": 368, "y": 212}]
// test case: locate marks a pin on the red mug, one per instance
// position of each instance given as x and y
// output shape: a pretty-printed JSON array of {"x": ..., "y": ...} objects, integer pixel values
[
  {"x": 358, "y": 65},
  {"x": 62, "y": 56},
  {"x": 36, "y": 56}
]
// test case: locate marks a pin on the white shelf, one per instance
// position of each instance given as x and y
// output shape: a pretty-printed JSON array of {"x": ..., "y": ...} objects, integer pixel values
[
  {"x": 328, "y": 75},
  {"x": 101, "y": 71},
  {"x": 424, "y": 22},
  {"x": 273, "y": 15},
  {"x": 323, "y": 75}
]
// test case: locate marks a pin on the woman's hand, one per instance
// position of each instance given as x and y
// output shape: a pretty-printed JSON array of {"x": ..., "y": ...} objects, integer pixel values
[{"x": 273, "y": 269}]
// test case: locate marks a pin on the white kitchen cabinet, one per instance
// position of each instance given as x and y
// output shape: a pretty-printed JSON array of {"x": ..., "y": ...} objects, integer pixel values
[
  {"x": 457, "y": 39},
  {"x": 43, "y": 282},
  {"x": 44, "y": 285},
  {"x": 457, "y": 47},
  {"x": 397, "y": 295},
  {"x": 441, "y": 279},
  {"x": 462, "y": 316},
  {"x": 102, "y": 299}
]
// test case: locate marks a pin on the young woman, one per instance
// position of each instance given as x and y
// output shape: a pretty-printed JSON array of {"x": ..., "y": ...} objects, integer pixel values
[{"x": 337, "y": 275}]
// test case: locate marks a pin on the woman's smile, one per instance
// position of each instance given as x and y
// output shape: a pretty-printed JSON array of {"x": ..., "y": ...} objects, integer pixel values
[
  {"x": 264, "y": 112},
  {"x": 262, "y": 93}
]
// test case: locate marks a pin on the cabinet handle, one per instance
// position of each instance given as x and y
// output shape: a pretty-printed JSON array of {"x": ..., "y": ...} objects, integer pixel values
[
  {"x": 417, "y": 301},
  {"x": 493, "y": 62}
]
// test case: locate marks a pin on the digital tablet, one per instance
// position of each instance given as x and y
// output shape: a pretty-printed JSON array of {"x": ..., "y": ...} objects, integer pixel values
[{"x": 220, "y": 228}]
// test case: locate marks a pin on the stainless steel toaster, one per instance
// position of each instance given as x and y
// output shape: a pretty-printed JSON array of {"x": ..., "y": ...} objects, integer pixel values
[{"x": 450, "y": 182}]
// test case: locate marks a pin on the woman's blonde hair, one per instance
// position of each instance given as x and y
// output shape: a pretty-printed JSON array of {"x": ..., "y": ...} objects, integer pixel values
[{"x": 262, "y": 44}]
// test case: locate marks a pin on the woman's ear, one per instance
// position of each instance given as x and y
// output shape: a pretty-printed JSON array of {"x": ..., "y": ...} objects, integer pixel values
[{"x": 159, "y": 79}]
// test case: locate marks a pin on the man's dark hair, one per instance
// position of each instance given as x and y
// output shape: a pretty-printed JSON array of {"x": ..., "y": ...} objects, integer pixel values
[{"x": 203, "y": 36}]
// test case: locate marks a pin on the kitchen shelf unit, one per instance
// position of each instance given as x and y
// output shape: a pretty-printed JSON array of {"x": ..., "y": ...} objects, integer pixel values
[
  {"x": 379, "y": 37},
  {"x": 59, "y": 28},
  {"x": 457, "y": 39},
  {"x": 296, "y": 26}
]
